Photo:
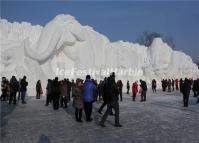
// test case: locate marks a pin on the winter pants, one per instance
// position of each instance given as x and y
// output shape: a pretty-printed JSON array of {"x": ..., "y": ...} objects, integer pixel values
[
  {"x": 12, "y": 97},
  {"x": 63, "y": 100},
  {"x": 134, "y": 95},
  {"x": 127, "y": 90},
  {"x": 78, "y": 114},
  {"x": 88, "y": 110},
  {"x": 48, "y": 99},
  {"x": 120, "y": 92},
  {"x": 115, "y": 106},
  {"x": 23, "y": 94},
  {"x": 56, "y": 102},
  {"x": 186, "y": 100},
  {"x": 38, "y": 94},
  {"x": 143, "y": 95}
]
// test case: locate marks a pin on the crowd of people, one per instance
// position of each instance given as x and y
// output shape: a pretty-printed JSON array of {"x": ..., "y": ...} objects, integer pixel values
[
  {"x": 83, "y": 93},
  {"x": 10, "y": 89},
  {"x": 184, "y": 86}
]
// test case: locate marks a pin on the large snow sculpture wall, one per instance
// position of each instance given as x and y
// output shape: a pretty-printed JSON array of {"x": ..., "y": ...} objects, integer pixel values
[{"x": 64, "y": 43}]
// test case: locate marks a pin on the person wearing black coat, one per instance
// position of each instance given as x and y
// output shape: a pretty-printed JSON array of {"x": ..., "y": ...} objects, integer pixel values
[
  {"x": 120, "y": 86},
  {"x": 104, "y": 97},
  {"x": 14, "y": 85},
  {"x": 38, "y": 89},
  {"x": 144, "y": 90},
  {"x": 154, "y": 85},
  {"x": 127, "y": 86},
  {"x": 173, "y": 84},
  {"x": 181, "y": 84},
  {"x": 48, "y": 92},
  {"x": 69, "y": 86},
  {"x": 4, "y": 88},
  {"x": 55, "y": 93},
  {"x": 24, "y": 85},
  {"x": 195, "y": 88},
  {"x": 111, "y": 93},
  {"x": 186, "y": 87}
]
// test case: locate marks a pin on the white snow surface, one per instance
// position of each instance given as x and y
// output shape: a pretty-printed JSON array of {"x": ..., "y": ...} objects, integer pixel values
[{"x": 63, "y": 43}]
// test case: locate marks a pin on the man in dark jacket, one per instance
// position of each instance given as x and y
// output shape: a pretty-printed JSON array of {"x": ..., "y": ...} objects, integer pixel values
[
  {"x": 127, "y": 86},
  {"x": 24, "y": 85},
  {"x": 173, "y": 84},
  {"x": 38, "y": 89},
  {"x": 48, "y": 92},
  {"x": 104, "y": 96},
  {"x": 69, "y": 87},
  {"x": 88, "y": 97},
  {"x": 186, "y": 87},
  {"x": 112, "y": 101},
  {"x": 181, "y": 84},
  {"x": 55, "y": 93},
  {"x": 144, "y": 90},
  {"x": 3, "y": 88},
  {"x": 195, "y": 88},
  {"x": 14, "y": 85},
  {"x": 119, "y": 86},
  {"x": 154, "y": 85}
]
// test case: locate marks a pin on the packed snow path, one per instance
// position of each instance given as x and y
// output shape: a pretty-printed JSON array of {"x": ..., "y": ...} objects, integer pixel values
[{"x": 161, "y": 119}]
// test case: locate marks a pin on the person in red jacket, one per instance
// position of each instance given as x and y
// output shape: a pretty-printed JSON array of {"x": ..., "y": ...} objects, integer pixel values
[{"x": 134, "y": 89}]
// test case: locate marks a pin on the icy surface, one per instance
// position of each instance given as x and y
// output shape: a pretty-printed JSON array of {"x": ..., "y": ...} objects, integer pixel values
[
  {"x": 64, "y": 43},
  {"x": 161, "y": 119}
]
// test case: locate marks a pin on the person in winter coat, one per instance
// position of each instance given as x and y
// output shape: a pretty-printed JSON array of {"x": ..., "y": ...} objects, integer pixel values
[
  {"x": 48, "y": 92},
  {"x": 55, "y": 93},
  {"x": 144, "y": 90},
  {"x": 24, "y": 85},
  {"x": 172, "y": 84},
  {"x": 63, "y": 93},
  {"x": 176, "y": 84},
  {"x": 119, "y": 86},
  {"x": 14, "y": 85},
  {"x": 4, "y": 89},
  {"x": 105, "y": 97},
  {"x": 127, "y": 86},
  {"x": 134, "y": 89},
  {"x": 95, "y": 94},
  {"x": 169, "y": 85},
  {"x": 38, "y": 89},
  {"x": 72, "y": 85},
  {"x": 78, "y": 100},
  {"x": 154, "y": 85},
  {"x": 195, "y": 88},
  {"x": 88, "y": 97},
  {"x": 164, "y": 85},
  {"x": 181, "y": 84},
  {"x": 186, "y": 87},
  {"x": 111, "y": 91},
  {"x": 69, "y": 87},
  {"x": 101, "y": 89}
]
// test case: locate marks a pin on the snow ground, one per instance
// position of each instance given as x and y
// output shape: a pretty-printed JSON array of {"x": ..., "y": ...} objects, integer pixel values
[{"x": 162, "y": 118}]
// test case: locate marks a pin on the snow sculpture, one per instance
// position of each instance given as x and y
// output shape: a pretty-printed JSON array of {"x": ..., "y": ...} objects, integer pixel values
[{"x": 64, "y": 43}]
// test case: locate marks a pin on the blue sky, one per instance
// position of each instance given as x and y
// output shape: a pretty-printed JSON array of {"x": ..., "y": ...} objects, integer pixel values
[{"x": 125, "y": 20}]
